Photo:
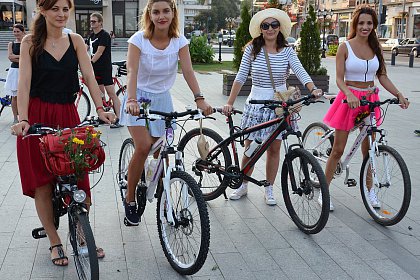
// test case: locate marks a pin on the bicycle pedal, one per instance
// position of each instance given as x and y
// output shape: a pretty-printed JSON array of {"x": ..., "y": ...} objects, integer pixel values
[
  {"x": 351, "y": 183},
  {"x": 38, "y": 233}
]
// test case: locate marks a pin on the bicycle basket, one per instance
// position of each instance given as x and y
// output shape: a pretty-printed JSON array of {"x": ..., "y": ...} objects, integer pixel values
[{"x": 57, "y": 159}]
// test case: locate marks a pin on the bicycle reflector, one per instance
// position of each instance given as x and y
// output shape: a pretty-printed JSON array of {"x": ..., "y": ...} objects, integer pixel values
[{"x": 79, "y": 196}]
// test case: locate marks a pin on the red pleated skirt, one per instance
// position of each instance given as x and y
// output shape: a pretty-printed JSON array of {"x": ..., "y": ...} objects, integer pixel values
[{"x": 33, "y": 173}]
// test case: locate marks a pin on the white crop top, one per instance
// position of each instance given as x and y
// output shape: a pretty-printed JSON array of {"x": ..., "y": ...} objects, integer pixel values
[
  {"x": 157, "y": 68},
  {"x": 360, "y": 70}
]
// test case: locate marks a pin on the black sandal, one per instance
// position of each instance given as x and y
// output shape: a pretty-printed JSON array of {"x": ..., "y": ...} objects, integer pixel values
[{"x": 61, "y": 255}]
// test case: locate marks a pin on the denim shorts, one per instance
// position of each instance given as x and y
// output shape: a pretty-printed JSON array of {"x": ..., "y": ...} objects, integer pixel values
[{"x": 159, "y": 101}]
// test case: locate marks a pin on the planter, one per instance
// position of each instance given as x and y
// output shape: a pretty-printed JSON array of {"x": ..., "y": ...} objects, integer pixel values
[{"x": 321, "y": 81}]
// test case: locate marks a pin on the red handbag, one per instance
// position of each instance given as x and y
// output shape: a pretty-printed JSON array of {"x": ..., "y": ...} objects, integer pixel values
[{"x": 58, "y": 161}]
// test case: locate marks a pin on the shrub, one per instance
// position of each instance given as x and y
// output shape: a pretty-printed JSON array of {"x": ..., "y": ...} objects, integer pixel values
[
  {"x": 309, "y": 53},
  {"x": 200, "y": 51},
  {"x": 332, "y": 50},
  {"x": 242, "y": 35}
]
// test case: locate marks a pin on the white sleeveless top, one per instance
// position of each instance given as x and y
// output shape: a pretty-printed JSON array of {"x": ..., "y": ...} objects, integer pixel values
[
  {"x": 157, "y": 68},
  {"x": 360, "y": 70}
]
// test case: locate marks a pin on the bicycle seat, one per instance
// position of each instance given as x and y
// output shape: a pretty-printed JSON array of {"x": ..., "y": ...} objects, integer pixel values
[{"x": 119, "y": 63}]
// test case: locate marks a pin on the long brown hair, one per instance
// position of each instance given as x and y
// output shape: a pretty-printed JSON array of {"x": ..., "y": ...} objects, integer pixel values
[
  {"x": 148, "y": 26},
  {"x": 39, "y": 28},
  {"x": 259, "y": 42},
  {"x": 372, "y": 39}
]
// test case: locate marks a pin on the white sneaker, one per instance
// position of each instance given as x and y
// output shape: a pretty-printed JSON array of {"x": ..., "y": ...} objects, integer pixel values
[
  {"x": 239, "y": 192},
  {"x": 269, "y": 197},
  {"x": 320, "y": 202},
  {"x": 374, "y": 199}
]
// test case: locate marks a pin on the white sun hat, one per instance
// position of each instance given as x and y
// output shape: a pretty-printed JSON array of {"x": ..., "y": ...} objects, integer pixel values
[{"x": 281, "y": 16}]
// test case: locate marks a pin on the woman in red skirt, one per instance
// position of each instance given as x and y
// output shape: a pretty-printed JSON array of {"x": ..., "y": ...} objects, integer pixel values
[{"x": 48, "y": 81}]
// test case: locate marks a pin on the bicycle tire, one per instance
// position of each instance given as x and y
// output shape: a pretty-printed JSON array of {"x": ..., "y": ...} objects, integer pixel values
[
  {"x": 211, "y": 184},
  {"x": 83, "y": 105},
  {"x": 185, "y": 263},
  {"x": 122, "y": 90},
  {"x": 84, "y": 247},
  {"x": 312, "y": 137},
  {"x": 126, "y": 153},
  {"x": 306, "y": 194},
  {"x": 392, "y": 207}
]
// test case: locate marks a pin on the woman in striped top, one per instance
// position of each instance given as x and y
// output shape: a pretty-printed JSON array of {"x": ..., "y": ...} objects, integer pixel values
[{"x": 269, "y": 29}]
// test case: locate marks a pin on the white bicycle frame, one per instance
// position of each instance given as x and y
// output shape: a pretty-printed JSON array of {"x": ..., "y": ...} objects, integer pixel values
[{"x": 368, "y": 123}]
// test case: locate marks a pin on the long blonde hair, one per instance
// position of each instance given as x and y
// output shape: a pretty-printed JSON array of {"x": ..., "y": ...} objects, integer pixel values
[{"x": 148, "y": 26}]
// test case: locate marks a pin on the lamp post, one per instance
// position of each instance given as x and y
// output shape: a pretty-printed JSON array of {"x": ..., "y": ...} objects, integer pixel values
[
  {"x": 230, "y": 21},
  {"x": 324, "y": 13},
  {"x": 220, "y": 39}
]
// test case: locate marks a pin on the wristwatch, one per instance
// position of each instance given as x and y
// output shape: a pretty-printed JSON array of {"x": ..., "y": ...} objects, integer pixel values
[{"x": 199, "y": 94}]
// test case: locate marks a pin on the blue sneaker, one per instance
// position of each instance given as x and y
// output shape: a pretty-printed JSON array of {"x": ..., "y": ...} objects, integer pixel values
[{"x": 131, "y": 216}]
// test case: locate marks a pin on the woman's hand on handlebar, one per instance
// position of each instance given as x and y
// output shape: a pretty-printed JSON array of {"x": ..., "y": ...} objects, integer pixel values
[
  {"x": 107, "y": 117},
  {"x": 227, "y": 109},
  {"x": 204, "y": 106},
  {"x": 132, "y": 107},
  {"x": 317, "y": 93},
  {"x": 352, "y": 101},
  {"x": 404, "y": 103},
  {"x": 20, "y": 129}
]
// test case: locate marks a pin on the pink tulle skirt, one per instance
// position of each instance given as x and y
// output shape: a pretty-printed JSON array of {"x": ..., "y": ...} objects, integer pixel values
[{"x": 341, "y": 116}]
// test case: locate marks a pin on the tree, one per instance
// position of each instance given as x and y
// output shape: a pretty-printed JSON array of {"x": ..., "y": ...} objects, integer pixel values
[
  {"x": 204, "y": 18},
  {"x": 222, "y": 9},
  {"x": 310, "y": 53},
  {"x": 242, "y": 34}
]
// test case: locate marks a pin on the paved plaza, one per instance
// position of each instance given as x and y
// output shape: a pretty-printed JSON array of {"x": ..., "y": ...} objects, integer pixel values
[{"x": 249, "y": 240}]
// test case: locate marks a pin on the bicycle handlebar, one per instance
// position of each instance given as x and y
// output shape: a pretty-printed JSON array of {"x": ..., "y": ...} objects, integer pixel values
[
  {"x": 170, "y": 115},
  {"x": 39, "y": 129},
  {"x": 272, "y": 104},
  {"x": 364, "y": 102},
  {"x": 220, "y": 110}
]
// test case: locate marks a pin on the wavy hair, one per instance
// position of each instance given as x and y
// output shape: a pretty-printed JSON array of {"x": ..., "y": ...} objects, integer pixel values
[
  {"x": 372, "y": 39},
  {"x": 39, "y": 29},
  {"x": 148, "y": 26},
  {"x": 259, "y": 42}
]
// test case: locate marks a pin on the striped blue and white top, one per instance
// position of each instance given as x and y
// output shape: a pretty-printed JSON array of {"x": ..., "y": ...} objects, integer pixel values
[{"x": 281, "y": 63}]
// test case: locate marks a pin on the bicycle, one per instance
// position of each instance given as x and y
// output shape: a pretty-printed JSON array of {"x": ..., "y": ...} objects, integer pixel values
[
  {"x": 181, "y": 212},
  {"x": 215, "y": 172},
  {"x": 82, "y": 100},
  {"x": 383, "y": 164},
  {"x": 5, "y": 101},
  {"x": 68, "y": 199}
]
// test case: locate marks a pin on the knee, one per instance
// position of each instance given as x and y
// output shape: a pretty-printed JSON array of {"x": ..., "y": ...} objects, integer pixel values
[{"x": 337, "y": 153}]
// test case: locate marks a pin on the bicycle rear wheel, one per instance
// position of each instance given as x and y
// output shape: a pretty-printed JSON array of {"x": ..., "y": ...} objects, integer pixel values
[
  {"x": 393, "y": 190},
  {"x": 311, "y": 140},
  {"x": 82, "y": 104},
  {"x": 84, "y": 247},
  {"x": 126, "y": 153},
  {"x": 211, "y": 183},
  {"x": 185, "y": 243},
  {"x": 302, "y": 202}
]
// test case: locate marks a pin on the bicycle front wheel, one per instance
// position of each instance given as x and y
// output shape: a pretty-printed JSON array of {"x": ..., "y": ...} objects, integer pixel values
[
  {"x": 186, "y": 241},
  {"x": 300, "y": 179},
  {"x": 84, "y": 247},
  {"x": 126, "y": 153},
  {"x": 82, "y": 104},
  {"x": 311, "y": 141},
  {"x": 387, "y": 199}
]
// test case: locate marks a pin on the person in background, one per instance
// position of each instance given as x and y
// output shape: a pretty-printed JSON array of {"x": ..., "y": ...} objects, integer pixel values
[
  {"x": 11, "y": 85},
  {"x": 358, "y": 61},
  {"x": 100, "y": 50},
  {"x": 48, "y": 80},
  {"x": 152, "y": 63},
  {"x": 269, "y": 29}
]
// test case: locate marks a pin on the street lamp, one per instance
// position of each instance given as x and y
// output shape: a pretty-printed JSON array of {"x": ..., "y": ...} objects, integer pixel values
[
  {"x": 324, "y": 13},
  {"x": 220, "y": 39},
  {"x": 230, "y": 21}
]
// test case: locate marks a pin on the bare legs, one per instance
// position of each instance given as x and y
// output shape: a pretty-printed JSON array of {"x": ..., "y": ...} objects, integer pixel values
[
  {"x": 110, "y": 90},
  {"x": 14, "y": 108}
]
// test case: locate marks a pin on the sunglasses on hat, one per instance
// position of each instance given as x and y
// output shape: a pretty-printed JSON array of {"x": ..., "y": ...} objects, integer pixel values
[{"x": 266, "y": 26}]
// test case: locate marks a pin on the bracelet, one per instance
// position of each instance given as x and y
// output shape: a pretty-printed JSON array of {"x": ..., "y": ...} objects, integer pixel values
[
  {"x": 25, "y": 121},
  {"x": 131, "y": 100},
  {"x": 398, "y": 93},
  {"x": 199, "y": 98},
  {"x": 100, "y": 108},
  {"x": 314, "y": 88}
]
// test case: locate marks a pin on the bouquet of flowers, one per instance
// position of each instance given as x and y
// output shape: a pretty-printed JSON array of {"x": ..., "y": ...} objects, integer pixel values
[
  {"x": 145, "y": 104},
  {"x": 360, "y": 117}
]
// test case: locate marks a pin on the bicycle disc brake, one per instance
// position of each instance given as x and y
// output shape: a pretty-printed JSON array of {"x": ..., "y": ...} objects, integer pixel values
[{"x": 235, "y": 177}]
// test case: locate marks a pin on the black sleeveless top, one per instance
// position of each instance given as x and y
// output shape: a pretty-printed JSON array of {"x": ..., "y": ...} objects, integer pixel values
[
  {"x": 56, "y": 81},
  {"x": 16, "y": 51}
]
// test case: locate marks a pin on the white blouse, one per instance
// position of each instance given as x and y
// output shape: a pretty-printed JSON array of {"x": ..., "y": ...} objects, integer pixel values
[{"x": 157, "y": 68}]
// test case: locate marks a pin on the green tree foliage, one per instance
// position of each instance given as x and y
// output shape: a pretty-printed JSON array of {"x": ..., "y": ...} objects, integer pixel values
[
  {"x": 310, "y": 54},
  {"x": 200, "y": 51},
  {"x": 242, "y": 34},
  {"x": 204, "y": 18},
  {"x": 222, "y": 9}
]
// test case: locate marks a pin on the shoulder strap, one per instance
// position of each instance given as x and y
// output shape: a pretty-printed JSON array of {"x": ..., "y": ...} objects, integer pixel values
[{"x": 267, "y": 60}]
